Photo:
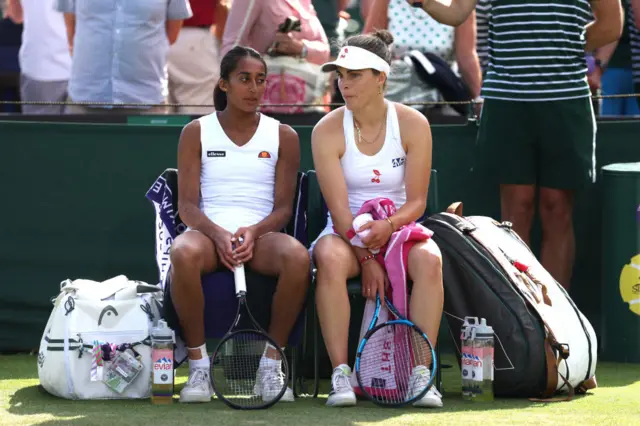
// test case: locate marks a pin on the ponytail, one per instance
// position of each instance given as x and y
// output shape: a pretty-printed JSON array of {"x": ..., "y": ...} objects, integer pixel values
[{"x": 219, "y": 98}]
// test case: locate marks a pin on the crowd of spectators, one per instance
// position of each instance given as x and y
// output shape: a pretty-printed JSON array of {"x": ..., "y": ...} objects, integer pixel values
[{"x": 144, "y": 55}]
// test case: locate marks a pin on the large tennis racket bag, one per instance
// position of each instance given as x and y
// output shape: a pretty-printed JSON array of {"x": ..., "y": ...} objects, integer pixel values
[{"x": 544, "y": 346}]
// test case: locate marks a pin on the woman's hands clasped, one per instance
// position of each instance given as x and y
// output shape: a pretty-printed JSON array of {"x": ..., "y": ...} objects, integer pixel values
[{"x": 234, "y": 249}]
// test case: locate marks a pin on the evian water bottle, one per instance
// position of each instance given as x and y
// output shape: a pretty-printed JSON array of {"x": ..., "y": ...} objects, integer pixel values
[
  {"x": 483, "y": 349},
  {"x": 466, "y": 356},
  {"x": 162, "y": 340}
]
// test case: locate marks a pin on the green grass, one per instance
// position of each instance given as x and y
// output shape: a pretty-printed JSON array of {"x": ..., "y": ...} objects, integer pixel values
[{"x": 23, "y": 402}]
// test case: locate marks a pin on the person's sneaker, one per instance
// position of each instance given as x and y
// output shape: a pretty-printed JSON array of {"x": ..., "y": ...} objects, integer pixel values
[
  {"x": 342, "y": 394},
  {"x": 269, "y": 382},
  {"x": 198, "y": 387},
  {"x": 420, "y": 377}
]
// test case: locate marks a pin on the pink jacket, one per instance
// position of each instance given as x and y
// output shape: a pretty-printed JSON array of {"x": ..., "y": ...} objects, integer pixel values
[
  {"x": 394, "y": 257},
  {"x": 255, "y": 22}
]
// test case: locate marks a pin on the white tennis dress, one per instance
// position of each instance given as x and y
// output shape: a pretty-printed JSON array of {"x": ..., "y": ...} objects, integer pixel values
[{"x": 237, "y": 183}]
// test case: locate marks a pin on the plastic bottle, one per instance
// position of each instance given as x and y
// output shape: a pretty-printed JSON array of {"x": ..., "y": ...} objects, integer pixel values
[
  {"x": 162, "y": 341},
  {"x": 483, "y": 349},
  {"x": 466, "y": 360}
]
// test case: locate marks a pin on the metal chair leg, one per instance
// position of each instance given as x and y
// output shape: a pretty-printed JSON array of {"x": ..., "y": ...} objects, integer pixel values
[
  {"x": 316, "y": 361},
  {"x": 294, "y": 377},
  {"x": 438, "y": 369}
]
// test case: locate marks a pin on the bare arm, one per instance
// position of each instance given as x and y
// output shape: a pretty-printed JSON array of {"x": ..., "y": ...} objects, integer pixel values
[
  {"x": 173, "y": 28},
  {"x": 607, "y": 25},
  {"x": 241, "y": 18},
  {"x": 14, "y": 11},
  {"x": 449, "y": 12},
  {"x": 327, "y": 145},
  {"x": 605, "y": 53},
  {"x": 70, "y": 23},
  {"x": 415, "y": 132},
  {"x": 285, "y": 190},
  {"x": 467, "y": 55},
  {"x": 635, "y": 5},
  {"x": 378, "y": 17},
  {"x": 189, "y": 165}
]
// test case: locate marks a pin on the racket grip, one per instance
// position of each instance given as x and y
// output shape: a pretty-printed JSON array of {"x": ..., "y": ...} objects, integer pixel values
[
  {"x": 240, "y": 279},
  {"x": 417, "y": 4}
]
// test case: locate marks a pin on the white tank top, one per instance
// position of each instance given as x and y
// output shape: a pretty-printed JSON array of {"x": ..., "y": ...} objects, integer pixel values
[
  {"x": 371, "y": 176},
  {"x": 237, "y": 183}
]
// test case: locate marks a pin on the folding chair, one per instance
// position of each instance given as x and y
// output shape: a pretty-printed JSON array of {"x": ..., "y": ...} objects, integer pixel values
[
  {"x": 316, "y": 221},
  {"x": 219, "y": 286}
]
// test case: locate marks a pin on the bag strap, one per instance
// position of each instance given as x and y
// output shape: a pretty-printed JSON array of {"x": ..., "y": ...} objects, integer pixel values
[{"x": 555, "y": 353}]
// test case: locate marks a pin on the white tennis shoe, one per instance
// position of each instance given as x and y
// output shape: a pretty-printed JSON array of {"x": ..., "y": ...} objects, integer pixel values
[
  {"x": 420, "y": 377},
  {"x": 198, "y": 387},
  {"x": 342, "y": 394},
  {"x": 269, "y": 381}
]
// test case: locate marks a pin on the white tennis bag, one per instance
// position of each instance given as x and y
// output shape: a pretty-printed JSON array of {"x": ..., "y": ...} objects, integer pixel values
[{"x": 87, "y": 315}]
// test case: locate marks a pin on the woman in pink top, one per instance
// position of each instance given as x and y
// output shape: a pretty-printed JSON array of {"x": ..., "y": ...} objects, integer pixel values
[{"x": 255, "y": 23}]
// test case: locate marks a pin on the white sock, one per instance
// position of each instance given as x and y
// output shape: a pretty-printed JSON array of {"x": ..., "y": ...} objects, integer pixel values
[
  {"x": 267, "y": 362},
  {"x": 203, "y": 362},
  {"x": 199, "y": 363},
  {"x": 345, "y": 368}
]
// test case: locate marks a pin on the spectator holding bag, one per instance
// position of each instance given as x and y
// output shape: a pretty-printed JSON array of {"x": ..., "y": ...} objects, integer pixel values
[{"x": 293, "y": 53}]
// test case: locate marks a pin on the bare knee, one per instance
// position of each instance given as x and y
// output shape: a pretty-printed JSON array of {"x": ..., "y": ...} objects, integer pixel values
[
  {"x": 186, "y": 255},
  {"x": 518, "y": 202},
  {"x": 333, "y": 259},
  {"x": 425, "y": 264},
  {"x": 296, "y": 258},
  {"x": 556, "y": 208}
]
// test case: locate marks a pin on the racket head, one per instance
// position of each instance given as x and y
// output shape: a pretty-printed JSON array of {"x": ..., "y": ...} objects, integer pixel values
[
  {"x": 234, "y": 369},
  {"x": 386, "y": 359}
]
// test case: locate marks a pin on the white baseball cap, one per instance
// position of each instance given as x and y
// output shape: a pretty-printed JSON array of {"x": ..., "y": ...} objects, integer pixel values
[{"x": 357, "y": 58}]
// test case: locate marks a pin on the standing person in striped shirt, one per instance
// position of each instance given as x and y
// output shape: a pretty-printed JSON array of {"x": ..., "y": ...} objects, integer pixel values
[{"x": 537, "y": 122}]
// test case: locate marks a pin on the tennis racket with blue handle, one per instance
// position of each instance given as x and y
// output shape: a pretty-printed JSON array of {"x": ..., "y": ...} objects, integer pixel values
[{"x": 395, "y": 361}]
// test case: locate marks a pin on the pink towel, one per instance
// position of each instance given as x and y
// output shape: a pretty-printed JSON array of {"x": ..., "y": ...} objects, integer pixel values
[{"x": 394, "y": 257}]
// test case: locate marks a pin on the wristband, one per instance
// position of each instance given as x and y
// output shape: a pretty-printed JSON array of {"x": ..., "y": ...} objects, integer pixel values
[{"x": 367, "y": 258}]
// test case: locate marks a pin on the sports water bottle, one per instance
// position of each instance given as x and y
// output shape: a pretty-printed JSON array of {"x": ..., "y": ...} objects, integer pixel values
[
  {"x": 162, "y": 341},
  {"x": 466, "y": 356},
  {"x": 483, "y": 349}
]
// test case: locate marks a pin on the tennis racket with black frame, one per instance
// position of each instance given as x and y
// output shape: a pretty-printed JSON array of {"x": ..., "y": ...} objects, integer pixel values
[
  {"x": 391, "y": 358},
  {"x": 236, "y": 360}
]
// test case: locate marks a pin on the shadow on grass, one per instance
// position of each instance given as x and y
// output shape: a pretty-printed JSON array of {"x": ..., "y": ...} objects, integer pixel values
[{"x": 34, "y": 400}]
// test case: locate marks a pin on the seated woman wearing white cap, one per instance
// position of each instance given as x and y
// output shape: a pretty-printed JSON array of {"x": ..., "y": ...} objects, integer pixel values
[{"x": 368, "y": 149}]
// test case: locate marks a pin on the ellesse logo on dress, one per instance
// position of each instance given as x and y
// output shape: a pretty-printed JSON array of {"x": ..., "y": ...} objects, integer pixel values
[
  {"x": 216, "y": 153},
  {"x": 264, "y": 154}
]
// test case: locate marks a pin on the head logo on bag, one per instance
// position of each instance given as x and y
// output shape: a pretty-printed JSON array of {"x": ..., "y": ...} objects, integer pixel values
[
  {"x": 630, "y": 284},
  {"x": 109, "y": 311}
]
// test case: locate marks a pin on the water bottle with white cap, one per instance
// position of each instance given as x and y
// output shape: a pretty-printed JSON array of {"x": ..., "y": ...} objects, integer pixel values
[
  {"x": 483, "y": 350},
  {"x": 466, "y": 356}
]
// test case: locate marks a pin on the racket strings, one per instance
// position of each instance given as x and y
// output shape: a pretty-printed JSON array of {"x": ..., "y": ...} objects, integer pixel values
[
  {"x": 394, "y": 363},
  {"x": 238, "y": 368}
]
